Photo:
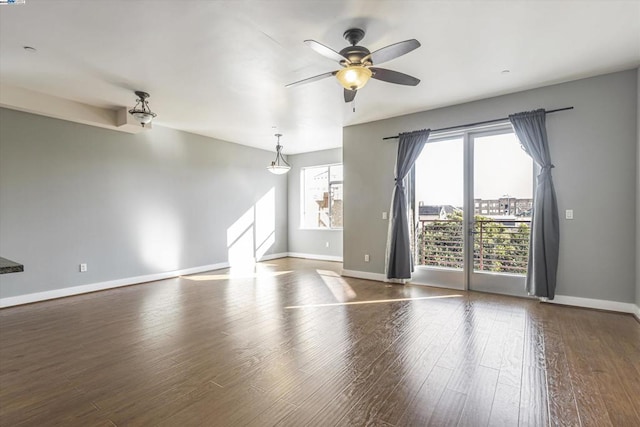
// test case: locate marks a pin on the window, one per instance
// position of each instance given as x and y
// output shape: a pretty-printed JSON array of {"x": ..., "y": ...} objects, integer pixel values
[{"x": 322, "y": 197}]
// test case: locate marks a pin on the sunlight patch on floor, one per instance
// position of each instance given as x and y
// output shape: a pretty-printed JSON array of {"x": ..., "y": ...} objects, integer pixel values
[{"x": 337, "y": 285}]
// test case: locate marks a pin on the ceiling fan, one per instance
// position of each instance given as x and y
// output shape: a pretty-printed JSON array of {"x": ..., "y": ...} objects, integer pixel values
[{"x": 357, "y": 62}]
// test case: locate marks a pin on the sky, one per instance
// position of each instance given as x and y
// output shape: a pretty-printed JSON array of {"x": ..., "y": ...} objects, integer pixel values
[{"x": 501, "y": 168}]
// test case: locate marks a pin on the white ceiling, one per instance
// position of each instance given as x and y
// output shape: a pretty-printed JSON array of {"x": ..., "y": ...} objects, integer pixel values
[{"x": 218, "y": 68}]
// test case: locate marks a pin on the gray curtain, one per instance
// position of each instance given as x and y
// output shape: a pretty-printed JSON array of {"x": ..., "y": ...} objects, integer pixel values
[
  {"x": 399, "y": 262},
  {"x": 545, "y": 225}
]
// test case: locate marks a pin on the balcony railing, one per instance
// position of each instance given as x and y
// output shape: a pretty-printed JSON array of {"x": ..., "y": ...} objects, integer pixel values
[
  {"x": 499, "y": 245},
  {"x": 440, "y": 243}
]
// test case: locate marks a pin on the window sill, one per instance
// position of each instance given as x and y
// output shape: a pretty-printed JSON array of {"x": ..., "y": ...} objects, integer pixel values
[{"x": 319, "y": 229}]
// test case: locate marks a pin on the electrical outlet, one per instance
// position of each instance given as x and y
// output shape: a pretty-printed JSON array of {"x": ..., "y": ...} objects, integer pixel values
[
  {"x": 83, "y": 268},
  {"x": 366, "y": 257},
  {"x": 568, "y": 214}
]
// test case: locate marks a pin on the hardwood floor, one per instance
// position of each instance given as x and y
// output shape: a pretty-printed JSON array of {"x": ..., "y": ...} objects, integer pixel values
[{"x": 274, "y": 347}]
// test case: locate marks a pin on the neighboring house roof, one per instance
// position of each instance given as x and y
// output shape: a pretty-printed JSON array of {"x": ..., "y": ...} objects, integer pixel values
[
  {"x": 436, "y": 209},
  {"x": 429, "y": 210},
  {"x": 448, "y": 209}
]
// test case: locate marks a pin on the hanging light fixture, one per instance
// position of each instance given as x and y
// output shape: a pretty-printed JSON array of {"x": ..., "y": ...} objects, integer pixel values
[
  {"x": 354, "y": 77},
  {"x": 279, "y": 166},
  {"x": 141, "y": 111}
]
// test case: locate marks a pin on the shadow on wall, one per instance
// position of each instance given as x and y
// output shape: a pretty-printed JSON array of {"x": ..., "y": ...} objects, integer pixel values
[{"x": 254, "y": 233}]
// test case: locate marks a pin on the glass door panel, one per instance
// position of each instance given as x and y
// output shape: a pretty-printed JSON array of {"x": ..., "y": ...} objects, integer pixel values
[
  {"x": 502, "y": 200},
  {"x": 439, "y": 214}
]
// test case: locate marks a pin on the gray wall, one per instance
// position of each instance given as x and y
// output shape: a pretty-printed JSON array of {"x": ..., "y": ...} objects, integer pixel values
[
  {"x": 311, "y": 242},
  {"x": 592, "y": 146},
  {"x": 127, "y": 205}
]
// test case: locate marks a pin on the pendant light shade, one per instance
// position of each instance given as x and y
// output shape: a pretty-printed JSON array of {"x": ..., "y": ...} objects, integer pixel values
[
  {"x": 279, "y": 166},
  {"x": 141, "y": 112}
]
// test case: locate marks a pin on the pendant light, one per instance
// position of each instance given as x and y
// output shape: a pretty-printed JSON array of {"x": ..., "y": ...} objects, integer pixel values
[
  {"x": 279, "y": 166},
  {"x": 141, "y": 111}
]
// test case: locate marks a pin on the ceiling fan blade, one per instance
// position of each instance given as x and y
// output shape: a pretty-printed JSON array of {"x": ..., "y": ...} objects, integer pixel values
[
  {"x": 349, "y": 95},
  {"x": 325, "y": 51},
  {"x": 312, "y": 79},
  {"x": 391, "y": 76},
  {"x": 392, "y": 51}
]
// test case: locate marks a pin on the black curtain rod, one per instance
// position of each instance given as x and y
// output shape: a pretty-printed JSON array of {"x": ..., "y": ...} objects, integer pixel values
[{"x": 486, "y": 122}]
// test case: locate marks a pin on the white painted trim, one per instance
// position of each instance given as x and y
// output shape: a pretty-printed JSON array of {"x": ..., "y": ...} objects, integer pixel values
[
  {"x": 92, "y": 287},
  {"x": 100, "y": 286},
  {"x": 315, "y": 256},
  {"x": 599, "y": 304},
  {"x": 559, "y": 299},
  {"x": 364, "y": 275},
  {"x": 268, "y": 257}
]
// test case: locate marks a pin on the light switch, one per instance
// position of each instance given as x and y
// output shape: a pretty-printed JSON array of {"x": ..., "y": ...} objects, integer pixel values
[
  {"x": 384, "y": 215},
  {"x": 568, "y": 214}
]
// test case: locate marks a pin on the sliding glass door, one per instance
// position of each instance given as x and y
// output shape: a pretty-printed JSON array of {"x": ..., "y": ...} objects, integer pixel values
[
  {"x": 439, "y": 183},
  {"x": 501, "y": 181},
  {"x": 473, "y": 194}
]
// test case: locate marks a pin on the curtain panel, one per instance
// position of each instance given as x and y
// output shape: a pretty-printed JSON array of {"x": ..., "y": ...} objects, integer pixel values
[
  {"x": 544, "y": 244},
  {"x": 399, "y": 259}
]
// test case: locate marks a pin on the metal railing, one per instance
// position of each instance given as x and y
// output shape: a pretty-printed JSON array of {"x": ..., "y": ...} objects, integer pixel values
[
  {"x": 440, "y": 243},
  {"x": 499, "y": 245}
]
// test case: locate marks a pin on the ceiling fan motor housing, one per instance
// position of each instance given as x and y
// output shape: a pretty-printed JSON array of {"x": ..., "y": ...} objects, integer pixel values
[{"x": 354, "y": 53}]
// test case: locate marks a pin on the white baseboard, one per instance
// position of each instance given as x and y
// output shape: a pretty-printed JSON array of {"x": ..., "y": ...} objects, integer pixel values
[
  {"x": 559, "y": 299},
  {"x": 273, "y": 256},
  {"x": 100, "y": 286},
  {"x": 364, "y": 275},
  {"x": 599, "y": 304},
  {"x": 315, "y": 256},
  {"x": 76, "y": 290},
  {"x": 92, "y": 287}
]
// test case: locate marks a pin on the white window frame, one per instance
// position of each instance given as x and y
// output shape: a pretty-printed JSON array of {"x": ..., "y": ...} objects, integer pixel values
[{"x": 303, "y": 195}]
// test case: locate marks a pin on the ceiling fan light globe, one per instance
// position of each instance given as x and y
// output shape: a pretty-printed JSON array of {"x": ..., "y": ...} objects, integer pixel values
[{"x": 354, "y": 77}]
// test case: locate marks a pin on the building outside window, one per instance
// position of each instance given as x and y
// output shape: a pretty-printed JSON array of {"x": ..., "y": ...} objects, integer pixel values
[{"x": 322, "y": 195}]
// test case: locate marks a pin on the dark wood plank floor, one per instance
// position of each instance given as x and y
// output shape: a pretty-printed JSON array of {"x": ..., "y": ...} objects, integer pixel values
[{"x": 275, "y": 346}]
